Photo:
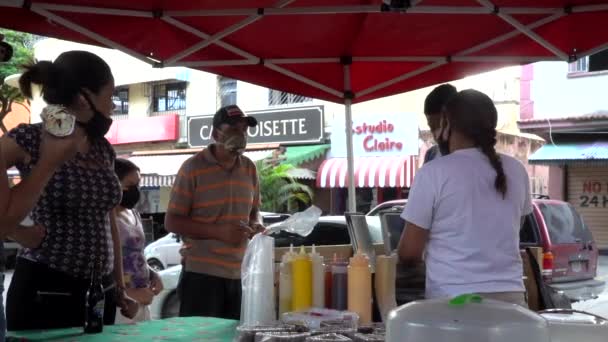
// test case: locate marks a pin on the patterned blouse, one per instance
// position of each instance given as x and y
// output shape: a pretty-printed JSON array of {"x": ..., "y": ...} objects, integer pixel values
[
  {"x": 74, "y": 207},
  {"x": 133, "y": 242}
]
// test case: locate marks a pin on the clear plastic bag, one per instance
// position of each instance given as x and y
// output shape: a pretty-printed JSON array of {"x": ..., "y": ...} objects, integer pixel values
[{"x": 301, "y": 223}]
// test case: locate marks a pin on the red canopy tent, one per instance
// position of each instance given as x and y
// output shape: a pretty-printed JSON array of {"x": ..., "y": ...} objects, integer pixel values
[{"x": 343, "y": 51}]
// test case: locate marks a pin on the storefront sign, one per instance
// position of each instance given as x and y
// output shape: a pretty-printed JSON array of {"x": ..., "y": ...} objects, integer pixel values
[
  {"x": 138, "y": 130},
  {"x": 378, "y": 135},
  {"x": 281, "y": 126},
  {"x": 595, "y": 194}
]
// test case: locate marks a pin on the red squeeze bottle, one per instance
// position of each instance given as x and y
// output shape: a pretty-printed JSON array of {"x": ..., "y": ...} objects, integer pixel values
[{"x": 328, "y": 286}]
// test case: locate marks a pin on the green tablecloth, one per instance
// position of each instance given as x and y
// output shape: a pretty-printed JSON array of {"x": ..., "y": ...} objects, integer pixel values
[{"x": 173, "y": 329}]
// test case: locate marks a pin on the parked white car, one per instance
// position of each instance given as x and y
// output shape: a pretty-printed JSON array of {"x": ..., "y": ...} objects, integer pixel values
[{"x": 164, "y": 252}]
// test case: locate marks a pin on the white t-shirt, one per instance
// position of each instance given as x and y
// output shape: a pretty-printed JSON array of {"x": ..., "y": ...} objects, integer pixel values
[{"x": 474, "y": 233}]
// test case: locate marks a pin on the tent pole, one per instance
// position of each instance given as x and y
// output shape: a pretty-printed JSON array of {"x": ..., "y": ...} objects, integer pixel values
[{"x": 350, "y": 158}]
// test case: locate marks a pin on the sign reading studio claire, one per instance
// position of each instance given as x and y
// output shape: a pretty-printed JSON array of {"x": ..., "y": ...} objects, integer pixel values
[
  {"x": 281, "y": 126},
  {"x": 376, "y": 134}
]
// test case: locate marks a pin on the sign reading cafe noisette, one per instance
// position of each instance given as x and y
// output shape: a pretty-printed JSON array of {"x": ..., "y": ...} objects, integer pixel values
[{"x": 299, "y": 125}]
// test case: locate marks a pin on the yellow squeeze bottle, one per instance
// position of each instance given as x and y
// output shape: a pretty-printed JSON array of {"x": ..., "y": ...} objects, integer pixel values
[
  {"x": 360, "y": 288},
  {"x": 301, "y": 268}
]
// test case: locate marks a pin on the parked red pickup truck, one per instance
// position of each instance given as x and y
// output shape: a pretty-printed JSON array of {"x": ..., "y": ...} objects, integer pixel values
[{"x": 570, "y": 254}]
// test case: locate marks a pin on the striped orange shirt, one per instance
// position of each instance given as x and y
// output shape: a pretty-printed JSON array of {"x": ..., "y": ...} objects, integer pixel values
[{"x": 209, "y": 193}]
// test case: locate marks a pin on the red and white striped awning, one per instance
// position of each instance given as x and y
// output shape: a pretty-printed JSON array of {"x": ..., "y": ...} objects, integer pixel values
[{"x": 370, "y": 172}]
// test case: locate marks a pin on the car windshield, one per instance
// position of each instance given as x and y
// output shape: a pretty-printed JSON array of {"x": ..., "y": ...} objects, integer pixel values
[
  {"x": 329, "y": 232},
  {"x": 564, "y": 223}
]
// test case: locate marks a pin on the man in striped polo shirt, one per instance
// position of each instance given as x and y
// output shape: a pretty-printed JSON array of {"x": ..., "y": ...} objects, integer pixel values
[{"x": 214, "y": 205}]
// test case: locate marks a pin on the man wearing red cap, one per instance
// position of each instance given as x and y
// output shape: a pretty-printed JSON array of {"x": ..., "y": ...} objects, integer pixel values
[{"x": 214, "y": 205}]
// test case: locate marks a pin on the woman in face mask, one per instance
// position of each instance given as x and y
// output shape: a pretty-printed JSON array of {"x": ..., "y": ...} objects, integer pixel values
[
  {"x": 142, "y": 282},
  {"x": 70, "y": 237},
  {"x": 464, "y": 209}
]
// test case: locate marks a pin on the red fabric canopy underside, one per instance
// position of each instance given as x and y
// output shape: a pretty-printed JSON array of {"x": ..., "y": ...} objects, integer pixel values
[{"x": 420, "y": 37}]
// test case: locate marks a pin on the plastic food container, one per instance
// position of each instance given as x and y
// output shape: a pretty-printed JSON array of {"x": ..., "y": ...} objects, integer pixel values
[
  {"x": 281, "y": 337},
  {"x": 248, "y": 334},
  {"x": 328, "y": 338},
  {"x": 466, "y": 318},
  {"x": 574, "y": 326}
]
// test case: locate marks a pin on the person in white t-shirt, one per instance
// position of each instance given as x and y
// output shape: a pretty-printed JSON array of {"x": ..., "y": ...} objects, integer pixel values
[{"x": 465, "y": 209}]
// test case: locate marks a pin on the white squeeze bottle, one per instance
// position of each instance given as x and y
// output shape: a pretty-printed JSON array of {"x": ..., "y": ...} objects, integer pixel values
[
  {"x": 285, "y": 292},
  {"x": 318, "y": 279}
]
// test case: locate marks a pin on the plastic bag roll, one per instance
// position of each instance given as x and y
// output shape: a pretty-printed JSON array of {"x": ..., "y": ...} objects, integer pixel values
[
  {"x": 257, "y": 277},
  {"x": 386, "y": 268}
]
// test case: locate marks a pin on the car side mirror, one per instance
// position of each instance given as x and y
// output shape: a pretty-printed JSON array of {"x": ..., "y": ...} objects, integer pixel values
[{"x": 177, "y": 238}]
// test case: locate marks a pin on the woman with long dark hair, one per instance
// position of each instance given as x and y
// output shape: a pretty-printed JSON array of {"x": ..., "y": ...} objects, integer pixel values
[
  {"x": 464, "y": 210},
  {"x": 72, "y": 233}
]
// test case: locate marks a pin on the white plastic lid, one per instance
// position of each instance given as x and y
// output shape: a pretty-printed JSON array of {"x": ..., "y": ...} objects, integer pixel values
[{"x": 466, "y": 318}]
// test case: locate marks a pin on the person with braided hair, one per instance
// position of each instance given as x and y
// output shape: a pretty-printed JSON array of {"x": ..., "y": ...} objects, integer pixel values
[{"x": 464, "y": 210}]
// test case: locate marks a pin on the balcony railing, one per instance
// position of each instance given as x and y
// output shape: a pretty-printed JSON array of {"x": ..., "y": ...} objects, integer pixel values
[
  {"x": 281, "y": 98},
  {"x": 180, "y": 112}
]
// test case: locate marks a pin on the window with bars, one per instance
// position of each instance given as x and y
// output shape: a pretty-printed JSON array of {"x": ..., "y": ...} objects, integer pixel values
[
  {"x": 170, "y": 96},
  {"x": 226, "y": 91},
  {"x": 278, "y": 98},
  {"x": 121, "y": 101},
  {"x": 590, "y": 64},
  {"x": 581, "y": 65}
]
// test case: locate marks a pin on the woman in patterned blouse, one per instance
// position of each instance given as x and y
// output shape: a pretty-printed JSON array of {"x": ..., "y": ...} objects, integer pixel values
[
  {"x": 18, "y": 201},
  {"x": 72, "y": 233}
]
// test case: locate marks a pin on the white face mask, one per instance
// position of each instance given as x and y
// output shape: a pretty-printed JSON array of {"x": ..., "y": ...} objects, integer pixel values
[{"x": 234, "y": 141}]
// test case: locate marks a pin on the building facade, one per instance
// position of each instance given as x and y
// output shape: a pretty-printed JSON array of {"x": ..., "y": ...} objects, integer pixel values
[{"x": 571, "y": 114}]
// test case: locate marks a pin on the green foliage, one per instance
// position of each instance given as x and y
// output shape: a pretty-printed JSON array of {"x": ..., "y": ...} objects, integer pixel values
[
  {"x": 23, "y": 54},
  {"x": 278, "y": 189}
]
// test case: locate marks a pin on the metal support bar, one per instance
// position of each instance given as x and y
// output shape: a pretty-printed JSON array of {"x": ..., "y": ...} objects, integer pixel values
[
  {"x": 402, "y": 59},
  {"x": 303, "y": 79},
  {"x": 589, "y": 8},
  {"x": 523, "y": 29},
  {"x": 12, "y": 3},
  {"x": 504, "y": 59},
  {"x": 510, "y": 35},
  {"x": 401, "y": 78},
  {"x": 594, "y": 50},
  {"x": 490, "y": 59},
  {"x": 95, "y": 10},
  {"x": 350, "y": 154},
  {"x": 534, "y": 36},
  {"x": 213, "y": 39},
  {"x": 302, "y": 60},
  {"x": 226, "y": 32},
  {"x": 203, "y": 35},
  {"x": 361, "y": 9},
  {"x": 88, "y": 33},
  {"x": 468, "y": 51},
  {"x": 228, "y": 62}
]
